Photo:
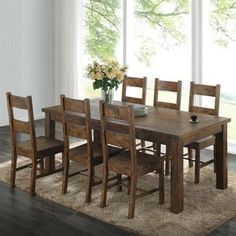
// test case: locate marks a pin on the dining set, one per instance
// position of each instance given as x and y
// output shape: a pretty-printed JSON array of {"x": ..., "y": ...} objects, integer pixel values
[{"x": 126, "y": 145}]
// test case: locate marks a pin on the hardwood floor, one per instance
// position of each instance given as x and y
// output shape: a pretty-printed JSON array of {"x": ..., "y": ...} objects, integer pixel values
[{"x": 23, "y": 215}]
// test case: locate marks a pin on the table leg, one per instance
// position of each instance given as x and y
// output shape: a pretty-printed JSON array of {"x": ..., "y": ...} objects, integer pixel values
[
  {"x": 49, "y": 132},
  {"x": 221, "y": 159},
  {"x": 176, "y": 186},
  {"x": 97, "y": 136}
]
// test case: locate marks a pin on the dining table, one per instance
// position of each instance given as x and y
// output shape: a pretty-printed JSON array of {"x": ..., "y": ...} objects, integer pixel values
[{"x": 170, "y": 127}]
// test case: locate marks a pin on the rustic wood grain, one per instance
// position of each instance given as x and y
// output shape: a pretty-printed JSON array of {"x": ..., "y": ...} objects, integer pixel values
[
  {"x": 198, "y": 145},
  {"x": 134, "y": 82},
  {"x": 168, "y": 86},
  {"x": 35, "y": 148},
  {"x": 76, "y": 120},
  {"x": 169, "y": 126},
  {"x": 130, "y": 162}
]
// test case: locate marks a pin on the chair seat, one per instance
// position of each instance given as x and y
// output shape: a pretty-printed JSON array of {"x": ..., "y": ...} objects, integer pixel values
[
  {"x": 79, "y": 153},
  {"x": 45, "y": 147},
  {"x": 202, "y": 143},
  {"x": 145, "y": 163}
]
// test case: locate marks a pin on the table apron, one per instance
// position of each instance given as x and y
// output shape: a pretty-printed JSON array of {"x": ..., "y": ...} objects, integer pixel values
[
  {"x": 202, "y": 134},
  {"x": 153, "y": 136}
]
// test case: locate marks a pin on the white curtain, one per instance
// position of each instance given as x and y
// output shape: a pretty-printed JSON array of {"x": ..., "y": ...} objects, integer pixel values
[{"x": 67, "y": 33}]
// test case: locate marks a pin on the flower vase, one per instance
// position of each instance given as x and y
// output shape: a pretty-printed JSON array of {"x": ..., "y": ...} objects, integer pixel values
[{"x": 107, "y": 96}]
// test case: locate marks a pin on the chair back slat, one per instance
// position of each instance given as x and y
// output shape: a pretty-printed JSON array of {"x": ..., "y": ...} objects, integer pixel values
[
  {"x": 167, "y": 86},
  {"x": 116, "y": 112},
  {"x": 74, "y": 105},
  {"x": 133, "y": 100},
  {"x": 204, "y": 90},
  {"x": 76, "y": 131},
  {"x": 118, "y": 139},
  {"x": 21, "y": 126},
  {"x": 19, "y": 102},
  {"x": 167, "y": 105},
  {"x": 75, "y": 118},
  {"x": 134, "y": 82}
]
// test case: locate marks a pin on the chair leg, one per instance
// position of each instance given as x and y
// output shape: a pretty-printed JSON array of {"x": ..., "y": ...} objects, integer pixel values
[
  {"x": 129, "y": 184},
  {"x": 214, "y": 153},
  {"x": 41, "y": 166},
  {"x": 154, "y": 146},
  {"x": 89, "y": 184},
  {"x": 142, "y": 143},
  {"x": 13, "y": 169},
  {"x": 157, "y": 147},
  {"x": 33, "y": 176},
  {"x": 197, "y": 166},
  {"x": 161, "y": 183},
  {"x": 132, "y": 197},
  {"x": 65, "y": 175},
  {"x": 104, "y": 186},
  {"x": 63, "y": 159},
  {"x": 167, "y": 169},
  {"x": 190, "y": 157},
  {"x": 119, "y": 186}
]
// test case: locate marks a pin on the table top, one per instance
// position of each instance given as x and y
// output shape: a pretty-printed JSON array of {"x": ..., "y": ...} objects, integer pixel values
[{"x": 164, "y": 122}]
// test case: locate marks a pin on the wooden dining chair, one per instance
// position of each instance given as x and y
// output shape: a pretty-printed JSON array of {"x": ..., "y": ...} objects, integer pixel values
[
  {"x": 34, "y": 148},
  {"x": 76, "y": 119},
  {"x": 167, "y": 86},
  {"x": 117, "y": 126},
  {"x": 134, "y": 82},
  {"x": 137, "y": 83},
  {"x": 210, "y": 91},
  {"x": 174, "y": 87}
]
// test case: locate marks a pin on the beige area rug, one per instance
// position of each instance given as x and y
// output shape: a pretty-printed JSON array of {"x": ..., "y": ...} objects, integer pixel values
[{"x": 205, "y": 207}]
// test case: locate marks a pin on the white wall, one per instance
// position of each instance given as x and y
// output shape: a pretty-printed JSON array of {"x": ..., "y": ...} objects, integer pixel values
[{"x": 26, "y": 52}]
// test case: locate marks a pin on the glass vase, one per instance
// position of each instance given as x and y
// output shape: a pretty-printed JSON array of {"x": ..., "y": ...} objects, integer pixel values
[{"x": 107, "y": 96}]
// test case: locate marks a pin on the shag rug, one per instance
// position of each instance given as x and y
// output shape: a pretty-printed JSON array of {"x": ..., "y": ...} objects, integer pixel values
[{"x": 205, "y": 207}]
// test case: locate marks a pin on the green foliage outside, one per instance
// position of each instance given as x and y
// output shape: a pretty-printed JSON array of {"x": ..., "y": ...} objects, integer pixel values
[
  {"x": 102, "y": 28},
  {"x": 103, "y": 25},
  {"x": 223, "y": 21}
]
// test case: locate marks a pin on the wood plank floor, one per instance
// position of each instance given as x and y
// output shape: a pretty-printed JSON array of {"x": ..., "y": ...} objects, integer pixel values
[{"x": 23, "y": 215}]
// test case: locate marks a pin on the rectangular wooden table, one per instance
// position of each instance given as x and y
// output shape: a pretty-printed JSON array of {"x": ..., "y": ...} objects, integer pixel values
[{"x": 172, "y": 128}]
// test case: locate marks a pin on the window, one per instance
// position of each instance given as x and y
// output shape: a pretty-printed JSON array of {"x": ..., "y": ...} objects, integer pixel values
[
  {"x": 170, "y": 40},
  {"x": 219, "y": 50},
  {"x": 102, "y": 37},
  {"x": 158, "y": 42},
  {"x": 164, "y": 44}
]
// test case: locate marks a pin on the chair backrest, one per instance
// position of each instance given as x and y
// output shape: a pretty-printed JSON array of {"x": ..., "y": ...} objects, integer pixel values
[
  {"x": 117, "y": 127},
  {"x": 134, "y": 82},
  {"x": 20, "y": 126},
  {"x": 204, "y": 90},
  {"x": 168, "y": 86},
  {"x": 76, "y": 121}
]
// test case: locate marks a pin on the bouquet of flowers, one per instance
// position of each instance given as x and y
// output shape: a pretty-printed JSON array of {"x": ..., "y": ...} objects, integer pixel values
[{"x": 107, "y": 75}]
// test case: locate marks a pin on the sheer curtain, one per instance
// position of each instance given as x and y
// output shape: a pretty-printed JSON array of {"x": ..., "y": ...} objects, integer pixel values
[{"x": 67, "y": 32}]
